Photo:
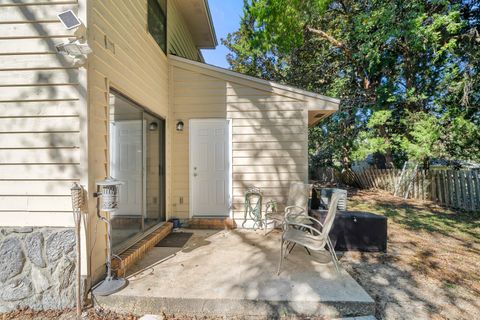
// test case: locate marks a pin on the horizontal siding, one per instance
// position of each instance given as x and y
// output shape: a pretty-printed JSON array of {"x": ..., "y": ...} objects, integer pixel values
[
  {"x": 269, "y": 136},
  {"x": 40, "y": 151},
  {"x": 35, "y": 61},
  {"x": 28, "y": 218},
  {"x": 40, "y": 78},
  {"x": 44, "y": 108},
  {"x": 43, "y": 156},
  {"x": 40, "y": 124},
  {"x": 37, "y": 2},
  {"x": 270, "y": 145},
  {"x": 35, "y": 172},
  {"x": 180, "y": 41},
  {"x": 33, "y": 12},
  {"x": 27, "y": 140},
  {"x": 36, "y": 188},
  {"x": 36, "y": 204},
  {"x": 32, "y": 31}
]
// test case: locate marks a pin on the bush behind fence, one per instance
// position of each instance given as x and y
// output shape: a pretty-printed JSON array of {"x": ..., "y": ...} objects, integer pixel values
[{"x": 459, "y": 189}]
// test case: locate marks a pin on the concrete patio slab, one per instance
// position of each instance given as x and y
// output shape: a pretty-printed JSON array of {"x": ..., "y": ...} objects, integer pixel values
[{"x": 233, "y": 273}]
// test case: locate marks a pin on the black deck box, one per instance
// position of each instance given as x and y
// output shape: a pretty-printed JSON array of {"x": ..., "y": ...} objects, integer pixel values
[{"x": 356, "y": 230}]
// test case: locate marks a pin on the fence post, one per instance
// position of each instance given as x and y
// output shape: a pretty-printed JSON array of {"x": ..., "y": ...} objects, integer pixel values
[
  {"x": 477, "y": 188},
  {"x": 444, "y": 188},
  {"x": 471, "y": 193},
  {"x": 433, "y": 195},
  {"x": 450, "y": 187},
  {"x": 441, "y": 177}
]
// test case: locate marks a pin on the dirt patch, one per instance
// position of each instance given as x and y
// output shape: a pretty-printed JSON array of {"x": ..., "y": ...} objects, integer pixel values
[
  {"x": 432, "y": 267},
  {"x": 68, "y": 314},
  {"x": 101, "y": 314}
]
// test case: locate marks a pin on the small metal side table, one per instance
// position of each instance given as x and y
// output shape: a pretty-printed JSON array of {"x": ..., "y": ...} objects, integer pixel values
[{"x": 253, "y": 207}]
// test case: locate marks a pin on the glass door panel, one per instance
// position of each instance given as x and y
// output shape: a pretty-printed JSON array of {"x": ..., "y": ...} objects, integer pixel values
[
  {"x": 126, "y": 165},
  {"x": 155, "y": 179}
]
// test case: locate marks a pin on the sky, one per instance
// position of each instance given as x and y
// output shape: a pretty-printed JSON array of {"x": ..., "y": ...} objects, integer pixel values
[{"x": 226, "y": 18}]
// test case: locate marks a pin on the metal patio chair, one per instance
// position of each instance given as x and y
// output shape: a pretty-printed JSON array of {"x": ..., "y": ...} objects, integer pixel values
[
  {"x": 297, "y": 202},
  {"x": 306, "y": 235}
]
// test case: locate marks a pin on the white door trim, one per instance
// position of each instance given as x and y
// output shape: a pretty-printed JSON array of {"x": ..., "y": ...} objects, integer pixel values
[{"x": 230, "y": 164}]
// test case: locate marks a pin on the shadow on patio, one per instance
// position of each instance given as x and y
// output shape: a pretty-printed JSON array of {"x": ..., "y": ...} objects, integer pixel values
[{"x": 233, "y": 273}]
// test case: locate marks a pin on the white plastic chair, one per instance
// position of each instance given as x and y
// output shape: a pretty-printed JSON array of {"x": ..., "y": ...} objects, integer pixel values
[
  {"x": 297, "y": 203},
  {"x": 304, "y": 234}
]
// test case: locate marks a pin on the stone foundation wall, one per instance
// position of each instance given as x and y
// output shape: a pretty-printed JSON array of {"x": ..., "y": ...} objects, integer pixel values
[{"x": 37, "y": 268}]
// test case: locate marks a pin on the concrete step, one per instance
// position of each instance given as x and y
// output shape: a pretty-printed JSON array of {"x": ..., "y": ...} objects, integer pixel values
[
  {"x": 254, "y": 309},
  {"x": 212, "y": 223},
  {"x": 139, "y": 249}
]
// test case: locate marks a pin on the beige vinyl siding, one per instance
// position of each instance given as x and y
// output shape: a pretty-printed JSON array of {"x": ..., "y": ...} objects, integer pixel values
[
  {"x": 126, "y": 58},
  {"x": 179, "y": 38},
  {"x": 269, "y": 144},
  {"x": 40, "y": 115}
]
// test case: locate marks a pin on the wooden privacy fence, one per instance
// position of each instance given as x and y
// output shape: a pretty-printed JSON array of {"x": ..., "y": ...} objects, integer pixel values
[
  {"x": 456, "y": 188},
  {"x": 459, "y": 189}
]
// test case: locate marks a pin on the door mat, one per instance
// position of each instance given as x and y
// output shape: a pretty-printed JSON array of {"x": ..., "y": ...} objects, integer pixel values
[{"x": 175, "y": 239}]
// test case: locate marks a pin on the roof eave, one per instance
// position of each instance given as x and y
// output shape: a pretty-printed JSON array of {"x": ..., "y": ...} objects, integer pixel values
[{"x": 212, "y": 27}]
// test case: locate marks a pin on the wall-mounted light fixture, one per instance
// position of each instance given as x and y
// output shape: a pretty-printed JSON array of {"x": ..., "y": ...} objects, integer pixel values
[
  {"x": 153, "y": 126},
  {"x": 179, "y": 125},
  {"x": 76, "y": 48}
]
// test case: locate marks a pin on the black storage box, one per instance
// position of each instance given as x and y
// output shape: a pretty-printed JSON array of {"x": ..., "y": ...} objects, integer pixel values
[
  {"x": 321, "y": 198},
  {"x": 356, "y": 230}
]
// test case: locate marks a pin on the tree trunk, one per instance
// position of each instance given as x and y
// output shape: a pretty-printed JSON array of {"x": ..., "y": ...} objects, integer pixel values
[
  {"x": 426, "y": 163},
  {"x": 389, "y": 159}
]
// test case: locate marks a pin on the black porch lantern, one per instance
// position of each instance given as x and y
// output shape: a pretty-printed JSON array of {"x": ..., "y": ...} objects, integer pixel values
[{"x": 179, "y": 125}]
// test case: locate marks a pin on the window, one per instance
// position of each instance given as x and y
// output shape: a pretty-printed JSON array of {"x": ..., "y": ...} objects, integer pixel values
[{"x": 157, "y": 22}]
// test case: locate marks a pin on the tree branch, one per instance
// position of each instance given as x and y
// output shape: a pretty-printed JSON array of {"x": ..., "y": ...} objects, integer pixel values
[
  {"x": 340, "y": 45},
  {"x": 329, "y": 38}
]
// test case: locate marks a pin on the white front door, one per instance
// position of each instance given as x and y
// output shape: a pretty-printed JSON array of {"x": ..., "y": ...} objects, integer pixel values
[
  {"x": 126, "y": 164},
  {"x": 209, "y": 167}
]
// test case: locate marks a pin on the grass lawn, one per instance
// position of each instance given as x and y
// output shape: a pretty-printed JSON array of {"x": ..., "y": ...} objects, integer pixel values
[{"x": 432, "y": 267}]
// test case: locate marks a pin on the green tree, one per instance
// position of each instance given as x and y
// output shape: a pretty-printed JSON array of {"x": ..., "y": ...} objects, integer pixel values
[{"x": 386, "y": 60}]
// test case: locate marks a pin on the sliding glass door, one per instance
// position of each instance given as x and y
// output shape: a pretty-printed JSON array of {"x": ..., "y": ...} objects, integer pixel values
[{"x": 137, "y": 157}]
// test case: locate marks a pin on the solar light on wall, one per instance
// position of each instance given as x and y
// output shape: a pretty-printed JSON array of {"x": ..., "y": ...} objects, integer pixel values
[
  {"x": 69, "y": 19},
  {"x": 75, "y": 48}
]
